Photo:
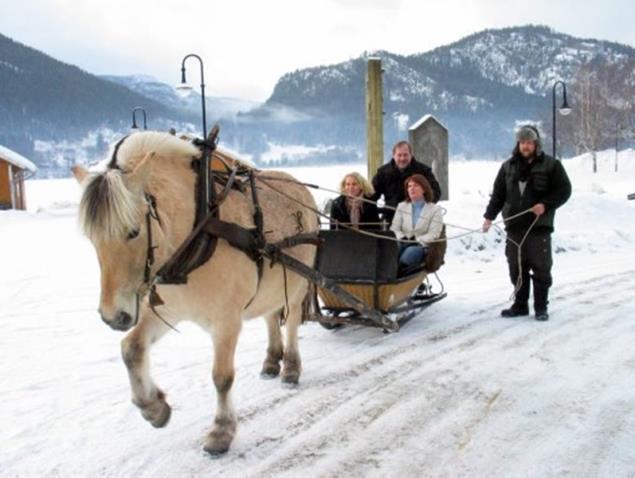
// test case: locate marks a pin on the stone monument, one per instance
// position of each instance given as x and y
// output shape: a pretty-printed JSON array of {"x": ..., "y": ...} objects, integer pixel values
[{"x": 429, "y": 140}]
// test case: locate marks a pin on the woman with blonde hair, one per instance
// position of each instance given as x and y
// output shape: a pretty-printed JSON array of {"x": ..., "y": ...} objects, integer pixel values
[
  {"x": 350, "y": 208},
  {"x": 418, "y": 220}
]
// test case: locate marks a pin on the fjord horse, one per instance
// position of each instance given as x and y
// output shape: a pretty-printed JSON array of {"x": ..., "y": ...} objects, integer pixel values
[{"x": 218, "y": 295}]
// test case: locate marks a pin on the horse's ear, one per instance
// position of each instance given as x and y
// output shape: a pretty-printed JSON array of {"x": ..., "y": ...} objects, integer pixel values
[
  {"x": 80, "y": 173},
  {"x": 139, "y": 175}
]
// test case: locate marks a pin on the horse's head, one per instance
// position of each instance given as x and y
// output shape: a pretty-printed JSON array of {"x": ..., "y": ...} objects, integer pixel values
[
  {"x": 116, "y": 214},
  {"x": 112, "y": 214}
]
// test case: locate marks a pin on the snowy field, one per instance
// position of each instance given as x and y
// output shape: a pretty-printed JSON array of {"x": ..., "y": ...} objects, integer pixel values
[{"x": 458, "y": 392}]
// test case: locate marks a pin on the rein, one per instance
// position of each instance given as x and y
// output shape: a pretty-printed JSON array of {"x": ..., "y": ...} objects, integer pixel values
[
  {"x": 151, "y": 214},
  {"x": 349, "y": 226},
  {"x": 148, "y": 284}
]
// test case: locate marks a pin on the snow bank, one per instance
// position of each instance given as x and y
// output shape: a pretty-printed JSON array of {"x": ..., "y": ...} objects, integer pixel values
[{"x": 458, "y": 392}]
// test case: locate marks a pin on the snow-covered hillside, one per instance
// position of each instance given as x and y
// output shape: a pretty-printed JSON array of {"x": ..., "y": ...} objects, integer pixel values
[
  {"x": 458, "y": 391},
  {"x": 489, "y": 70},
  {"x": 152, "y": 88},
  {"x": 531, "y": 57}
]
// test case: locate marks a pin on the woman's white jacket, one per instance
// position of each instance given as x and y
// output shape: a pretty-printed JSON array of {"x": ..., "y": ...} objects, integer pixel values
[{"x": 427, "y": 228}]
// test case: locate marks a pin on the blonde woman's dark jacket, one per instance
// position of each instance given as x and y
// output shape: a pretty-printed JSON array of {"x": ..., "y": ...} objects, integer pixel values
[{"x": 369, "y": 214}]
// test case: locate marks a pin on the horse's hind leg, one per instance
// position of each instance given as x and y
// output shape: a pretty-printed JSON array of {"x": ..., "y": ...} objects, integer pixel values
[
  {"x": 275, "y": 349},
  {"x": 135, "y": 349},
  {"x": 291, "y": 362},
  {"x": 225, "y": 336}
]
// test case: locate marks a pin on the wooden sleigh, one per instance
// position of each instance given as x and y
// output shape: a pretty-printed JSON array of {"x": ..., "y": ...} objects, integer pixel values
[{"x": 366, "y": 267}]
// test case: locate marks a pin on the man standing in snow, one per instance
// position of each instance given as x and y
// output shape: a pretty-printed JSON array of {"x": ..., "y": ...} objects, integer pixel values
[
  {"x": 529, "y": 179},
  {"x": 390, "y": 178}
]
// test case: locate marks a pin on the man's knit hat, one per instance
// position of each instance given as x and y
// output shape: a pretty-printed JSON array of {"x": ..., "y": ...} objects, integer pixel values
[{"x": 528, "y": 133}]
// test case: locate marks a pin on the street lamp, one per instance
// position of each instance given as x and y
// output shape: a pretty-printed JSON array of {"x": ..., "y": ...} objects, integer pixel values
[
  {"x": 618, "y": 130},
  {"x": 565, "y": 109},
  {"x": 204, "y": 192},
  {"x": 134, "y": 118}
]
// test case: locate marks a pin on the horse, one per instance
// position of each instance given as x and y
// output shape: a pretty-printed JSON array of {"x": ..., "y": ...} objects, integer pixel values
[{"x": 218, "y": 295}]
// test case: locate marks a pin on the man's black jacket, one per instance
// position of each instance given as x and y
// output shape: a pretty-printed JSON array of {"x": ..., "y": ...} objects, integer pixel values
[
  {"x": 389, "y": 182},
  {"x": 546, "y": 182}
]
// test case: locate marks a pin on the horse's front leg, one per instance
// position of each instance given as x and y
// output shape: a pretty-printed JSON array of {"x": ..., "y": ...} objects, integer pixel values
[
  {"x": 135, "y": 348},
  {"x": 225, "y": 336}
]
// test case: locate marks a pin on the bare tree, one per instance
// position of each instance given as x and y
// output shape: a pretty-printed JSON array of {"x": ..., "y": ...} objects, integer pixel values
[
  {"x": 589, "y": 122},
  {"x": 603, "y": 109}
]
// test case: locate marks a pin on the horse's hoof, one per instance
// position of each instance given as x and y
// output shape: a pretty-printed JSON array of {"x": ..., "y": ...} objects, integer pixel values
[
  {"x": 270, "y": 369},
  {"x": 158, "y": 414},
  {"x": 291, "y": 369},
  {"x": 220, "y": 438},
  {"x": 291, "y": 380},
  {"x": 268, "y": 375},
  {"x": 216, "y": 451},
  {"x": 164, "y": 417}
]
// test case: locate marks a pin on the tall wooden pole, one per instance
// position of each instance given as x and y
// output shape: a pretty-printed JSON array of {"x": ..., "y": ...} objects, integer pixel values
[{"x": 374, "y": 116}]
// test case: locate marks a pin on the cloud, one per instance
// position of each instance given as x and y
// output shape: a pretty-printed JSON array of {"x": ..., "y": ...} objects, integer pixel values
[{"x": 248, "y": 45}]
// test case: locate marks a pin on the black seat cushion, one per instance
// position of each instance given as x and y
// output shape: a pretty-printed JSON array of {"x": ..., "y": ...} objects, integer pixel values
[{"x": 350, "y": 255}]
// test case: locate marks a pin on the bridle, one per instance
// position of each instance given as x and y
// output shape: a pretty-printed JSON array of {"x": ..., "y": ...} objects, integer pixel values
[
  {"x": 152, "y": 213},
  {"x": 148, "y": 284}
]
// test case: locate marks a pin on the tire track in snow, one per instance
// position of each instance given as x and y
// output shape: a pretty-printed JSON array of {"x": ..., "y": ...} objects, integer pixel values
[{"x": 338, "y": 390}]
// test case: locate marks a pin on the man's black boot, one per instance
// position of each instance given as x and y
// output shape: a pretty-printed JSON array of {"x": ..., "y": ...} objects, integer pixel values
[
  {"x": 541, "y": 295},
  {"x": 516, "y": 310}
]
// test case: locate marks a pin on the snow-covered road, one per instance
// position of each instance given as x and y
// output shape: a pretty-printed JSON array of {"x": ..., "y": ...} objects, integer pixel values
[{"x": 458, "y": 392}]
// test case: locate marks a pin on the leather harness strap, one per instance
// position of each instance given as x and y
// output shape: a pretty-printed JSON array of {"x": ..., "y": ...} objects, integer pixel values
[
  {"x": 201, "y": 243},
  {"x": 246, "y": 239}
]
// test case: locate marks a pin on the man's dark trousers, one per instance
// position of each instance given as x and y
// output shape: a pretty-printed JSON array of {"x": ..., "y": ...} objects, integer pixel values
[{"x": 535, "y": 257}]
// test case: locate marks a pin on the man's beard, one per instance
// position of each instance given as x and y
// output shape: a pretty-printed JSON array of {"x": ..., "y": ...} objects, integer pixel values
[{"x": 528, "y": 155}]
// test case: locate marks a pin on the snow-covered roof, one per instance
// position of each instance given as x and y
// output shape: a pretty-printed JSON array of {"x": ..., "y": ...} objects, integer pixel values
[
  {"x": 423, "y": 120},
  {"x": 16, "y": 159}
]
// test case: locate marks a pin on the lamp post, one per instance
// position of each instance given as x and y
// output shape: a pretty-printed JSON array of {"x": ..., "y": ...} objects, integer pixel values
[
  {"x": 204, "y": 191},
  {"x": 564, "y": 110},
  {"x": 617, "y": 138},
  {"x": 134, "y": 118}
]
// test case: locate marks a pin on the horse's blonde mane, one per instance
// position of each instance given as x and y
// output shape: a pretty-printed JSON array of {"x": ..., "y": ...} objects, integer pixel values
[
  {"x": 135, "y": 147},
  {"x": 108, "y": 209}
]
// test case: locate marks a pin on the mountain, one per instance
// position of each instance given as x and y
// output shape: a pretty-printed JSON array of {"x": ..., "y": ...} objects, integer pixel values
[
  {"x": 149, "y": 87},
  {"x": 42, "y": 99},
  {"x": 479, "y": 86}
]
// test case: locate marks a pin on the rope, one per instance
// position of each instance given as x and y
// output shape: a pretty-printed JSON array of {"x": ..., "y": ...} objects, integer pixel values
[
  {"x": 519, "y": 281},
  {"x": 519, "y": 245},
  {"x": 264, "y": 179}
]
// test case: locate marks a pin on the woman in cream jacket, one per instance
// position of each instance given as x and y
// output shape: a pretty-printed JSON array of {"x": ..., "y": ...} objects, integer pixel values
[{"x": 418, "y": 219}]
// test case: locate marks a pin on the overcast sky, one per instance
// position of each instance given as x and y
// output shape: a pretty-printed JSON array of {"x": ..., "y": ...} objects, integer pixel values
[{"x": 248, "y": 44}]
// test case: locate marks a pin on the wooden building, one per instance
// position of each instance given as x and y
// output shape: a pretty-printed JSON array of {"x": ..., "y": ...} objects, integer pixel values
[{"x": 14, "y": 169}]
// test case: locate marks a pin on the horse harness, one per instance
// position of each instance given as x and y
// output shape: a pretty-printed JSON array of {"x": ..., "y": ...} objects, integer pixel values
[{"x": 200, "y": 245}]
